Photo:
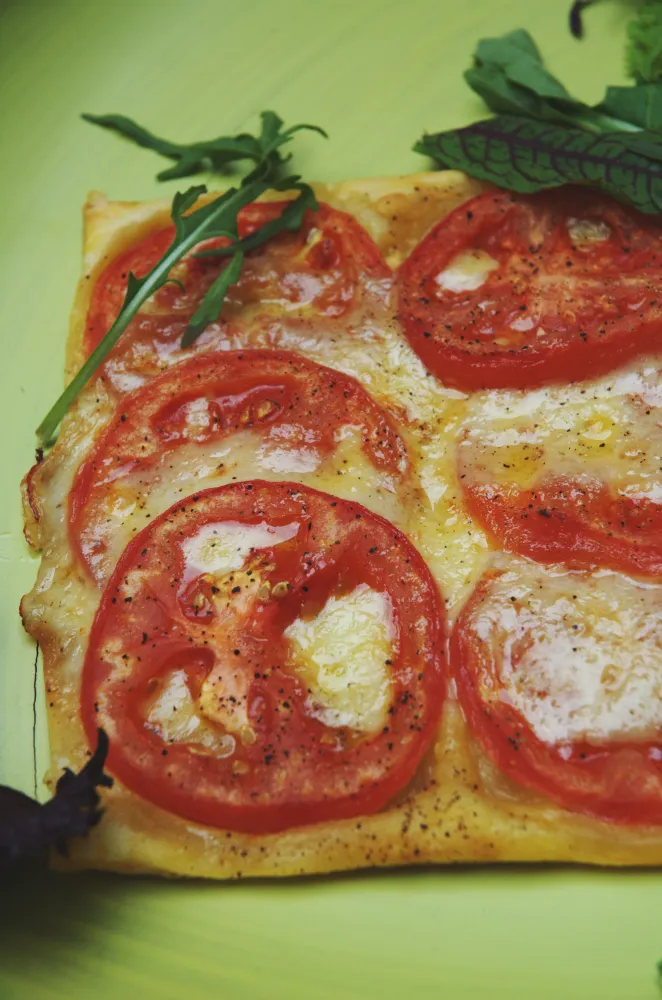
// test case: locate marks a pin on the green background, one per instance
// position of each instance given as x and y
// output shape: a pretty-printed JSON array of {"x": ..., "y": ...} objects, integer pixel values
[{"x": 375, "y": 74}]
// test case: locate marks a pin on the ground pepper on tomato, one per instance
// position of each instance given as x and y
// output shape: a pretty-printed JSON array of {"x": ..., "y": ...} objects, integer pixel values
[
  {"x": 515, "y": 291},
  {"x": 575, "y": 522},
  {"x": 266, "y": 760}
]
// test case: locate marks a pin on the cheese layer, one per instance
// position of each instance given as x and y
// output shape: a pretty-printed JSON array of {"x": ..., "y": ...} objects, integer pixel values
[
  {"x": 580, "y": 653},
  {"x": 343, "y": 655},
  {"x": 607, "y": 430},
  {"x": 458, "y": 808}
]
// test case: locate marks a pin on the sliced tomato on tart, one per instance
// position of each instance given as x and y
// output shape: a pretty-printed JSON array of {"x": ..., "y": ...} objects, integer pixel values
[
  {"x": 265, "y": 656},
  {"x": 560, "y": 678},
  {"x": 223, "y": 416},
  {"x": 575, "y": 521},
  {"x": 518, "y": 291},
  {"x": 318, "y": 274},
  {"x": 570, "y": 474}
]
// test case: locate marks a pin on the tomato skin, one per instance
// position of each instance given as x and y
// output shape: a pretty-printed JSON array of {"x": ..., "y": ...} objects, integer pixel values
[
  {"x": 573, "y": 522},
  {"x": 619, "y": 781},
  {"x": 110, "y": 288},
  {"x": 258, "y": 389},
  {"x": 323, "y": 279},
  {"x": 578, "y": 310},
  {"x": 297, "y": 770}
]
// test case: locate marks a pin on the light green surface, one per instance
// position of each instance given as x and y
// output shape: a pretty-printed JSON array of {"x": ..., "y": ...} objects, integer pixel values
[{"x": 375, "y": 74}]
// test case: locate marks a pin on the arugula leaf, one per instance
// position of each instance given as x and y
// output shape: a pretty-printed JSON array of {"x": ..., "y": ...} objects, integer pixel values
[
  {"x": 290, "y": 218},
  {"x": 216, "y": 218},
  {"x": 524, "y": 155},
  {"x": 209, "y": 221},
  {"x": 209, "y": 309},
  {"x": 212, "y": 154}
]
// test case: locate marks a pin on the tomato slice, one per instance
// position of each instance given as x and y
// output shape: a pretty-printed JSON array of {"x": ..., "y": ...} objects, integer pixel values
[
  {"x": 558, "y": 676},
  {"x": 206, "y": 595},
  {"x": 110, "y": 288},
  {"x": 516, "y": 291},
  {"x": 573, "y": 521},
  {"x": 319, "y": 271},
  {"x": 294, "y": 404},
  {"x": 570, "y": 474}
]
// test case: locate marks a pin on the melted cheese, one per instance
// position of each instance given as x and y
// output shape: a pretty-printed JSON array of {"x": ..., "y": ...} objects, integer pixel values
[
  {"x": 220, "y": 548},
  {"x": 347, "y": 471},
  {"x": 174, "y": 715},
  {"x": 587, "y": 230},
  {"x": 344, "y": 656},
  {"x": 467, "y": 271},
  {"x": 343, "y": 653},
  {"x": 453, "y": 817},
  {"x": 224, "y": 697},
  {"x": 608, "y": 430},
  {"x": 582, "y": 652}
]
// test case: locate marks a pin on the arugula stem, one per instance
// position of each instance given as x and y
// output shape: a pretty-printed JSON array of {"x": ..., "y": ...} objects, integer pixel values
[
  {"x": 218, "y": 218},
  {"x": 156, "y": 278}
]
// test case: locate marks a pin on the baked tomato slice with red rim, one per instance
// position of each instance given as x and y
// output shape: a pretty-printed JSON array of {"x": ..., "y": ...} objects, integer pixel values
[
  {"x": 521, "y": 290},
  {"x": 266, "y": 656},
  {"x": 320, "y": 271},
  {"x": 559, "y": 676},
  {"x": 286, "y": 413},
  {"x": 578, "y": 522}
]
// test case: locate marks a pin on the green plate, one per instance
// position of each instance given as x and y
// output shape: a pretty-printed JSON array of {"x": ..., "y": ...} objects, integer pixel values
[{"x": 375, "y": 73}]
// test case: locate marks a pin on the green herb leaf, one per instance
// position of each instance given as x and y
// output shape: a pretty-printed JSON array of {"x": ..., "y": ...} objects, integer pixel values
[
  {"x": 218, "y": 218},
  {"x": 273, "y": 136},
  {"x": 641, "y": 105},
  {"x": 209, "y": 309},
  {"x": 201, "y": 224},
  {"x": 213, "y": 154},
  {"x": 643, "y": 55},
  {"x": 290, "y": 218},
  {"x": 510, "y": 76},
  {"x": 543, "y": 137},
  {"x": 521, "y": 154}
]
